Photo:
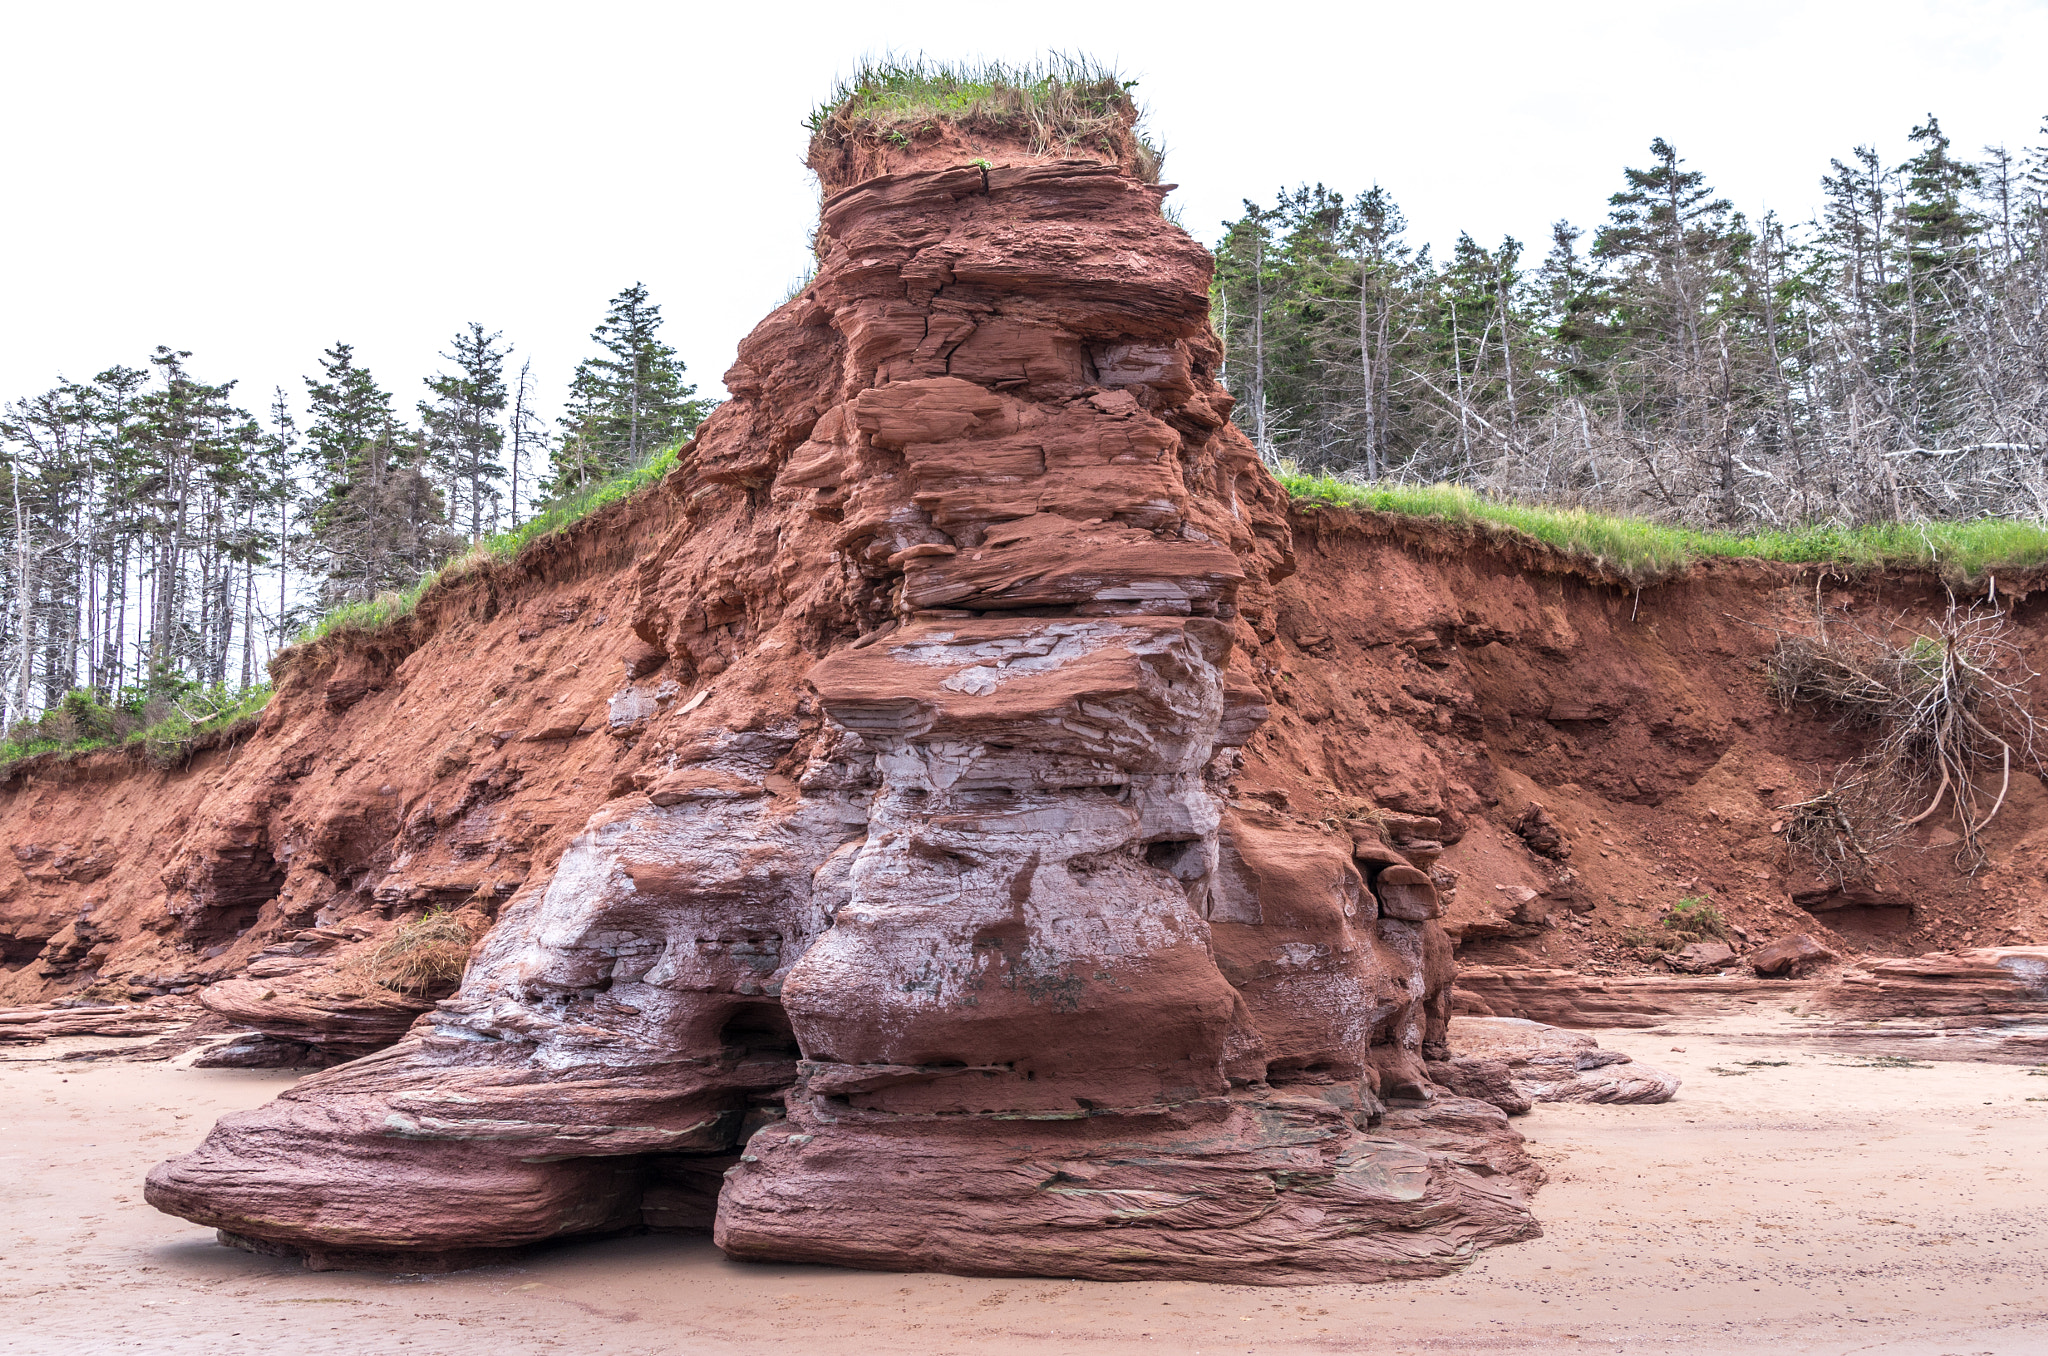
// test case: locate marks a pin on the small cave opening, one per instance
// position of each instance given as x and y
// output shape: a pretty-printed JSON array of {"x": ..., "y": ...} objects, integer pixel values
[
  {"x": 1184, "y": 859},
  {"x": 758, "y": 1032},
  {"x": 215, "y": 930},
  {"x": 233, "y": 887},
  {"x": 681, "y": 1196},
  {"x": 1166, "y": 854},
  {"x": 1871, "y": 922},
  {"x": 1858, "y": 912},
  {"x": 16, "y": 952},
  {"x": 759, "y": 1047},
  {"x": 1311, "y": 1069}
]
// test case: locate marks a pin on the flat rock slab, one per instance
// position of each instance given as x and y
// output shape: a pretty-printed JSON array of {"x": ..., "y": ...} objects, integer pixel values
[{"x": 1550, "y": 1064}]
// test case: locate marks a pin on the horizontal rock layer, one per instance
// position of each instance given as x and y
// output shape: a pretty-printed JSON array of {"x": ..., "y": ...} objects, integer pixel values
[{"x": 933, "y": 903}]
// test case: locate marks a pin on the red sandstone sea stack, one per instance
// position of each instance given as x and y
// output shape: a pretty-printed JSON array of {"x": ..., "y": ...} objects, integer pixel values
[{"x": 935, "y": 941}]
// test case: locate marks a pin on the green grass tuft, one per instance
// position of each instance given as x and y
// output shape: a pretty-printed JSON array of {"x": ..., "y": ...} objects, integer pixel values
[
  {"x": 371, "y": 614},
  {"x": 559, "y": 514},
  {"x": 14, "y": 750},
  {"x": 1644, "y": 551},
  {"x": 556, "y": 516},
  {"x": 202, "y": 713},
  {"x": 1058, "y": 102},
  {"x": 82, "y": 725}
]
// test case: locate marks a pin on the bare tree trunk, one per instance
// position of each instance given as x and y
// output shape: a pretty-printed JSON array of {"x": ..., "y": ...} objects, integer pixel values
[
  {"x": 1366, "y": 372},
  {"x": 1507, "y": 354},
  {"x": 25, "y": 582},
  {"x": 1458, "y": 375},
  {"x": 1264, "y": 442}
]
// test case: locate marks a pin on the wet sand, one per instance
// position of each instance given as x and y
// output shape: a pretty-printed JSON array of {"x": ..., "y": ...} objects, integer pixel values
[{"x": 1805, "y": 1203}]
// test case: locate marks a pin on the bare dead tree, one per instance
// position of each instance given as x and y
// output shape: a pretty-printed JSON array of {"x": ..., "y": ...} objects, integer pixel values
[{"x": 1948, "y": 708}]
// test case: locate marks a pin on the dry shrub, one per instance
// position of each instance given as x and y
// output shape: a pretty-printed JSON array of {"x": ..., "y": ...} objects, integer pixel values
[
  {"x": 1849, "y": 828},
  {"x": 1359, "y": 812},
  {"x": 1695, "y": 919},
  {"x": 424, "y": 957},
  {"x": 1948, "y": 709},
  {"x": 1692, "y": 919}
]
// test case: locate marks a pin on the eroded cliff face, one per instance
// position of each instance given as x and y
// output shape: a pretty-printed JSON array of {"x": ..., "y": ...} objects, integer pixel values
[
  {"x": 944, "y": 790},
  {"x": 924, "y": 886},
  {"x": 1571, "y": 756},
  {"x": 437, "y": 765},
  {"x": 1440, "y": 684}
]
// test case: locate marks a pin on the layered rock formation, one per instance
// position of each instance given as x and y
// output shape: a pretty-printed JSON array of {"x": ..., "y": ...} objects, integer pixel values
[
  {"x": 1960, "y": 987},
  {"x": 1546, "y": 1064},
  {"x": 33, "y": 1026},
  {"x": 1987, "y": 981},
  {"x": 933, "y": 898}
]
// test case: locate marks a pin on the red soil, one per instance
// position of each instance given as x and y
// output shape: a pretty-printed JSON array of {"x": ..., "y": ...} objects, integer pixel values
[{"x": 1408, "y": 666}]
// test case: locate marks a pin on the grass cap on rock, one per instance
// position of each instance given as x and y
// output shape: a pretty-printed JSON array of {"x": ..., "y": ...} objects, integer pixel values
[{"x": 894, "y": 113}]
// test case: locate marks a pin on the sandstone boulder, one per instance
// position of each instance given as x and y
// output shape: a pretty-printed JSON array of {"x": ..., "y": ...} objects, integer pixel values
[
  {"x": 33, "y": 1026},
  {"x": 1542, "y": 834},
  {"x": 1407, "y": 893},
  {"x": 1700, "y": 957},
  {"x": 1568, "y": 998},
  {"x": 1483, "y": 1080},
  {"x": 1791, "y": 957},
  {"x": 1471, "y": 1132},
  {"x": 340, "y": 1018},
  {"x": 255, "y": 1051},
  {"x": 1987, "y": 981},
  {"x": 1553, "y": 1065}
]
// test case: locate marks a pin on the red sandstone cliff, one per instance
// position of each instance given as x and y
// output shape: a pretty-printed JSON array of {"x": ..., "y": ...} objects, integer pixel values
[
  {"x": 894, "y": 792},
  {"x": 917, "y": 875},
  {"x": 1464, "y": 681},
  {"x": 1408, "y": 667}
]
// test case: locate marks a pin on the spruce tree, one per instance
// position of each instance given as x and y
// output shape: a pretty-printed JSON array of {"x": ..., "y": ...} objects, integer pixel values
[
  {"x": 377, "y": 521},
  {"x": 627, "y": 403},
  {"x": 1854, "y": 231},
  {"x": 1938, "y": 219},
  {"x": 277, "y": 467},
  {"x": 1677, "y": 254},
  {"x": 1940, "y": 229},
  {"x": 193, "y": 448},
  {"x": 1246, "y": 291},
  {"x": 351, "y": 416},
  {"x": 1372, "y": 246},
  {"x": 1574, "y": 296},
  {"x": 463, "y": 428}
]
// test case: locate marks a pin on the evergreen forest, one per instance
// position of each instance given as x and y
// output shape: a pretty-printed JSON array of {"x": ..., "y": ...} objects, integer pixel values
[
  {"x": 163, "y": 540},
  {"x": 1885, "y": 360}
]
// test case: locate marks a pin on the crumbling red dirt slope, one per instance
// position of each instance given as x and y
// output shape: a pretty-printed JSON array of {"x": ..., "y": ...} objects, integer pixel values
[
  {"x": 1590, "y": 754},
  {"x": 1410, "y": 668}
]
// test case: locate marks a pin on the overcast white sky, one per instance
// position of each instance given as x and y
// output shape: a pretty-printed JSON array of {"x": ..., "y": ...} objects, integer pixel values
[{"x": 253, "y": 182}]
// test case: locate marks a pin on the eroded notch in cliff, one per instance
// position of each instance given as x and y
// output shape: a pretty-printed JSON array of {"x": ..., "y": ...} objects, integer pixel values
[
  {"x": 229, "y": 891},
  {"x": 759, "y": 1033}
]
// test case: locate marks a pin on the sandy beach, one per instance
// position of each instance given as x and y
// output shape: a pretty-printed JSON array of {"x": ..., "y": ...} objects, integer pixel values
[{"x": 1792, "y": 1199}]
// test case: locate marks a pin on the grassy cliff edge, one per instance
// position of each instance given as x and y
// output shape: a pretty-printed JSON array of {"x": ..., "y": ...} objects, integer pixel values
[{"x": 1645, "y": 552}]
